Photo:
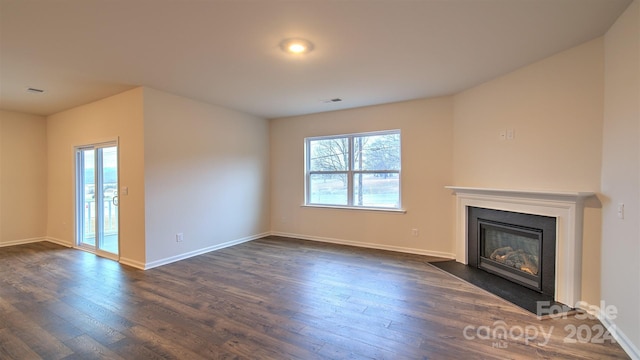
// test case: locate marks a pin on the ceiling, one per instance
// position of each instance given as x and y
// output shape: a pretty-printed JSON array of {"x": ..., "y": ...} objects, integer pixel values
[{"x": 226, "y": 52}]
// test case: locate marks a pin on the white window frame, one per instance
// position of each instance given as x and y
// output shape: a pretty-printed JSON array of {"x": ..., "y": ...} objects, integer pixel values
[{"x": 350, "y": 172}]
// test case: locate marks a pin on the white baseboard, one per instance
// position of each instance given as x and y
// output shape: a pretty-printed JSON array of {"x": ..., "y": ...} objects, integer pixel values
[
  {"x": 58, "y": 241},
  {"x": 627, "y": 345},
  {"x": 367, "y": 245},
  {"x": 125, "y": 261},
  {"x": 621, "y": 338},
  {"x": 187, "y": 255},
  {"x": 22, "y": 241},
  {"x": 133, "y": 263}
]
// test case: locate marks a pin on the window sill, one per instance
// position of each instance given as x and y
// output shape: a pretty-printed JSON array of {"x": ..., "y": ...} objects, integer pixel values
[{"x": 397, "y": 211}]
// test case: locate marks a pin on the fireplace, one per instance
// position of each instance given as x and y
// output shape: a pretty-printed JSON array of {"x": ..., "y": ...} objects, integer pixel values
[
  {"x": 516, "y": 246},
  {"x": 565, "y": 206}
]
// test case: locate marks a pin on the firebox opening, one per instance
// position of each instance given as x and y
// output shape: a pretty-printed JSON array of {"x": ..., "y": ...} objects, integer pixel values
[{"x": 512, "y": 252}]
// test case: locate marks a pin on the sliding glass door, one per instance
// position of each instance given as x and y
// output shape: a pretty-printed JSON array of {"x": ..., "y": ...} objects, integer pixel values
[{"x": 97, "y": 198}]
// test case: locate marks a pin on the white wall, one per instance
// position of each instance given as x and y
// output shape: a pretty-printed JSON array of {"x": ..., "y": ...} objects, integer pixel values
[
  {"x": 206, "y": 176},
  {"x": 555, "y": 107},
  {"x": 621, "y": 174},
  {"x": 426, "y": 132},
  {"x": 119, "y": 116},
  {"x": 23, "y": 178}
]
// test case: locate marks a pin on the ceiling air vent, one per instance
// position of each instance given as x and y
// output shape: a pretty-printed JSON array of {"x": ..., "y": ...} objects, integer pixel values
[{"x": 34, "y": 90}]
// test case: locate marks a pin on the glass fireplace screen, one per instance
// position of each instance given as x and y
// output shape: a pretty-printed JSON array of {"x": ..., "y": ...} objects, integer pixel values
[{"x": 512, "y": 247}]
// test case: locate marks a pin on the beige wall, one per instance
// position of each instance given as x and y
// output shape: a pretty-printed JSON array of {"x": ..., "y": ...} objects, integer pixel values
[
  {"x": 119, "y": 116},
  {"x": 189, "y": 167},
  {"x": 426, "y": 132},
  {"x": 206, "y": 176},
  {"x": 23, "y": 178},
  {"x": 621, "y": 173},
  {"x": 555, "y": 107}
]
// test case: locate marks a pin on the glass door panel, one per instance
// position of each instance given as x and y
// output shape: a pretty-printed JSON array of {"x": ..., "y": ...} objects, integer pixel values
[
  {"x": 97, "y": 199},
  {"x": 86, "y": 197},
  {"x": 109, "y": 158}
]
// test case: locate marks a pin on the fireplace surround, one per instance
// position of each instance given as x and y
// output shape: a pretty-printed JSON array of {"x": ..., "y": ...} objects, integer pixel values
[{"x": 566, "y": 207}]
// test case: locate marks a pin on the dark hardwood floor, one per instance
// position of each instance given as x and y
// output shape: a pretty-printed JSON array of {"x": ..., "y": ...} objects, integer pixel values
[{"x": 273, "y": 298}]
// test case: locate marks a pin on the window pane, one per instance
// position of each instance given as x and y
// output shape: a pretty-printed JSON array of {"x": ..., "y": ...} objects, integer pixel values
[
  {"x": 328, "y": 189},
  {"x": 376, "y": 190},
  {"x": 329, "y": 154},
  {"x": 377, "y": 152}
]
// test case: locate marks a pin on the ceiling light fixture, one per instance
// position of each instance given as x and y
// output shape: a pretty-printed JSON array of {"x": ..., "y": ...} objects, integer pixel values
[{"x": 296, "y": 46}]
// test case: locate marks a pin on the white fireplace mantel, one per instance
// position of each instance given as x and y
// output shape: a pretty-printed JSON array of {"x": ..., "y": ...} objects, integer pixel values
[{"x": 566, "y": 207}]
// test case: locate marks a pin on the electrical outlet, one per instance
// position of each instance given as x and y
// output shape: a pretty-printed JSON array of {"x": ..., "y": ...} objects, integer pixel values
[
  {"x": 415, "y": 232},
  {"x": 179, "y": 237}
]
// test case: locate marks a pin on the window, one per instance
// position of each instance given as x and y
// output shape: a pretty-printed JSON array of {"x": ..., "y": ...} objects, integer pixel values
[{"x": 356, "y": 170}]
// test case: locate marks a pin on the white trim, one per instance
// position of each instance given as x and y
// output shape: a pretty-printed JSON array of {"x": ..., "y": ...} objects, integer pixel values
[
  {"x": 534, "y": 194},
  {"x": 35, "y": 240},
  {"x": 58, "y": 241},
  {"x": 187, "y": 255},
  {"x": 367, "y": 245},
  {"x": 22, "y": 241},
  {"x": 627, "y": 345},
  {"x": 133, "y": 263},
  {"x": 566, "y": 207},
  {"x": 357, "y": 208},
  {"x": 349, "y": 171}
]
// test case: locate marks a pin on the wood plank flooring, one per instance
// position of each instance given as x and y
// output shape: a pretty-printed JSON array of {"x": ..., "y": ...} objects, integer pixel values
[{"x": 273, "y": 298}]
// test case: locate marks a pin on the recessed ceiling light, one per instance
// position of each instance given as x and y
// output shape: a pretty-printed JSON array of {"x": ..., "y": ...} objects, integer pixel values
[{"x": 296, "y": 46}]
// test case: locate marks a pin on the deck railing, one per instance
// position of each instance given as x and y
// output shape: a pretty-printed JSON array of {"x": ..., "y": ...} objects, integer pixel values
[{"x": 110, "y": 217}]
